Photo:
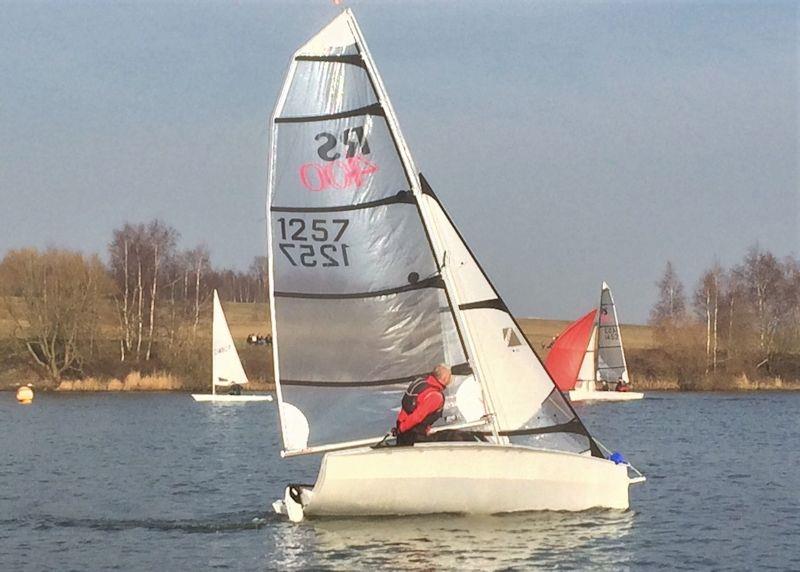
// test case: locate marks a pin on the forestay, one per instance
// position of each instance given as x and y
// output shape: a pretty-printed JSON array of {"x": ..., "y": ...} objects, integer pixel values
[
  {"x": 611, "y": 365},
  {"x": 226, "y": 368},
  {"x": 371, "y": 285}
]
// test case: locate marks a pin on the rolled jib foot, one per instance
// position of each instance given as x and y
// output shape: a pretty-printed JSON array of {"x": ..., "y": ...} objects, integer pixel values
[{"x": 25, "y": 395}]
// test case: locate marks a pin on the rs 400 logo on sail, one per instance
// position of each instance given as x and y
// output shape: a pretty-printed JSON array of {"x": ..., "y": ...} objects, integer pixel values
[{"x": 344, "y": 166}]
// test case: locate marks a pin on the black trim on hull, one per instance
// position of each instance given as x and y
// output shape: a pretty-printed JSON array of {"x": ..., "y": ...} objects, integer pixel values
[
  {"x": 374, "y": 109},
  {"x": 432, "y": 282}
]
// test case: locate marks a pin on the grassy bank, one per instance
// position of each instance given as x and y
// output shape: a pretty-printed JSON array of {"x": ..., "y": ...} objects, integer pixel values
[{"x": 189, "y": 367}]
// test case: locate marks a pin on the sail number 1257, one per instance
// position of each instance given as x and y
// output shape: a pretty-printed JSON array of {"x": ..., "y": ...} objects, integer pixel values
[{"x": 314, "y": 243}]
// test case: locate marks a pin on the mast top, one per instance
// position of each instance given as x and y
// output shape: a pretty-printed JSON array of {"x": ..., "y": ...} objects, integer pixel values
[{"x": 337, "y": 34}]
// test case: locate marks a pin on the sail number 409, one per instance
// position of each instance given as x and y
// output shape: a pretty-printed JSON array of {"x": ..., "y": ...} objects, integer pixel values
[{"x": 314, "y": 243}]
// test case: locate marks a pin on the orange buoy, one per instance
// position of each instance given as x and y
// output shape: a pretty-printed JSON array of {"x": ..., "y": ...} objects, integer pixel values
[{"x": 25, "y": 394}]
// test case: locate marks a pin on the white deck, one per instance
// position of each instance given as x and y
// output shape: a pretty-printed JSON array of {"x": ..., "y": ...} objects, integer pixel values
[
  {"x": 224, "y": 398},
  {"x": 461, "y": 478}
]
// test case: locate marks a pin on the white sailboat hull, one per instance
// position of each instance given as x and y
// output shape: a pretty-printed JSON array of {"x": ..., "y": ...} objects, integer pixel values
[
  {"x": 459, "y": 478},
  {"x": 604, "y": 395},
  {"x": 224, "y": 398}
]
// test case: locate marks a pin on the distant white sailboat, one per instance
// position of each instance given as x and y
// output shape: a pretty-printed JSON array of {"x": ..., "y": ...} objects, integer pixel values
[
  {"x": 371, "y": 285},
  {"x": 226, "y": 367},
  {"x": 587, "y": 359}
]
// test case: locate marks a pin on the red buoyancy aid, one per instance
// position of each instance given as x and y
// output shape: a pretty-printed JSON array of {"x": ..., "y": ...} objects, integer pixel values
[{"x": 423, "y": 403}]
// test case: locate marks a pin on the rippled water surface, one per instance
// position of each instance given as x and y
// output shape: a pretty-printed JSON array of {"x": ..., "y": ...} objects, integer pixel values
[{"x": 158, "y": 482}]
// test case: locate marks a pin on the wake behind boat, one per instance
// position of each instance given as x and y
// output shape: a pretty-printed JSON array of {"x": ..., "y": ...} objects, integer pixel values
[
  {"x": 370, "y": 286},
  {"x": 587, "y": 359},
  {"x": 226, "y": 367}
]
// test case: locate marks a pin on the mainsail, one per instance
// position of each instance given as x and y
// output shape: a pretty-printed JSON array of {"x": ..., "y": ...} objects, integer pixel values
[
  {"x": 611, "y": 365},
  {"x": 226, "y": 368},
  {"x": 371, "y": 285}
]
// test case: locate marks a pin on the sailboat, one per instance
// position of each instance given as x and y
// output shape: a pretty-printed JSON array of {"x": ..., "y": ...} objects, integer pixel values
[
  {"x": 371, "y": 285},
  {"x": 587, "y": 359},
  {"x": 226, "y": 367}
]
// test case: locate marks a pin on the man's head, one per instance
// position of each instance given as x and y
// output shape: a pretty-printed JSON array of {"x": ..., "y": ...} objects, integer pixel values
[{"x": 442, "y": 373}]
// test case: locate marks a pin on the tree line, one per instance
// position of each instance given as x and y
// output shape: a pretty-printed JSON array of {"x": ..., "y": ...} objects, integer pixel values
[
  {"x": 739, "y": 320},
  {"x": 157, "y": 292}
]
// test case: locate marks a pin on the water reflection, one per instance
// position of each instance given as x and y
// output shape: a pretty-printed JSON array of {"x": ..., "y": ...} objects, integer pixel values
[{"x": 445, "y": 542}]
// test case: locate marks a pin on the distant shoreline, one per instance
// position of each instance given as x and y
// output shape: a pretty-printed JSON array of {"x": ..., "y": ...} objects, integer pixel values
[
  {"x": 158, "y": 385},
  {"x": 135, "y": 382}
]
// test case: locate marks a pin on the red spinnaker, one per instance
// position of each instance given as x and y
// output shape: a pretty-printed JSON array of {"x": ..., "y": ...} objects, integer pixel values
[{"x": 565, "y": 357}]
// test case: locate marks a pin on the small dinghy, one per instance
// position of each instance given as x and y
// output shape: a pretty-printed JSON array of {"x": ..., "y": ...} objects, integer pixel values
[
  {"x": 371, "y": 285},
  {"x": 226, "y": 367},
  {"x": 587, "y": 359}
]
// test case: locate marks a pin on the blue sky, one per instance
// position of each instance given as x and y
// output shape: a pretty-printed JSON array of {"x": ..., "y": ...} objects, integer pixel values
[{"x": 571, "y": 142}]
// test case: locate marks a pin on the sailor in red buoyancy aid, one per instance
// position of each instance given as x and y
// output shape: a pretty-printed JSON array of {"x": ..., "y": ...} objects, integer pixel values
[{"x": 423, "y": 403}]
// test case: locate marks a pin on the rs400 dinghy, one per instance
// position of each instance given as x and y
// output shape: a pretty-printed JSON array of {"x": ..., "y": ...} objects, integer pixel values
[
  {"x": 587, "y": 360},
  {"x": 371, "y": 285}
]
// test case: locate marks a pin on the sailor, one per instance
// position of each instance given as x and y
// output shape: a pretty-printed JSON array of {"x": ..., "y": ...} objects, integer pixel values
[
  {"x": 235, "y": 389},
  {"x": 422, "y": 406}
]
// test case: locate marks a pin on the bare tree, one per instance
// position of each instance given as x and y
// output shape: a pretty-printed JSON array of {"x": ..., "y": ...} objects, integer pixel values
[
  {"x": 162, "y": 240},
  {"x": 670, "y": 309},
  {"x": 137, "y": 253},
  {"x": 259, "y": 273},
  {"x": 707, "y": 303},
  {"x": 200, "y": 263},
  {"x": 61, "y": 293},
  {"x": 763, "y": 280}
]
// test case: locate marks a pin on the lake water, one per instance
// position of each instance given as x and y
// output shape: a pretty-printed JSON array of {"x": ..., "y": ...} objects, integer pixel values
[{"x": 158, "y": 482}]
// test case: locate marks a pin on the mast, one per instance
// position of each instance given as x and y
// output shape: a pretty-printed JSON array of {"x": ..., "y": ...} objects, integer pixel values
[
  {"x": 438, "y": 248},
  {"x": 213, "y": 333},
  {"x": 597, "y": 338}
]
